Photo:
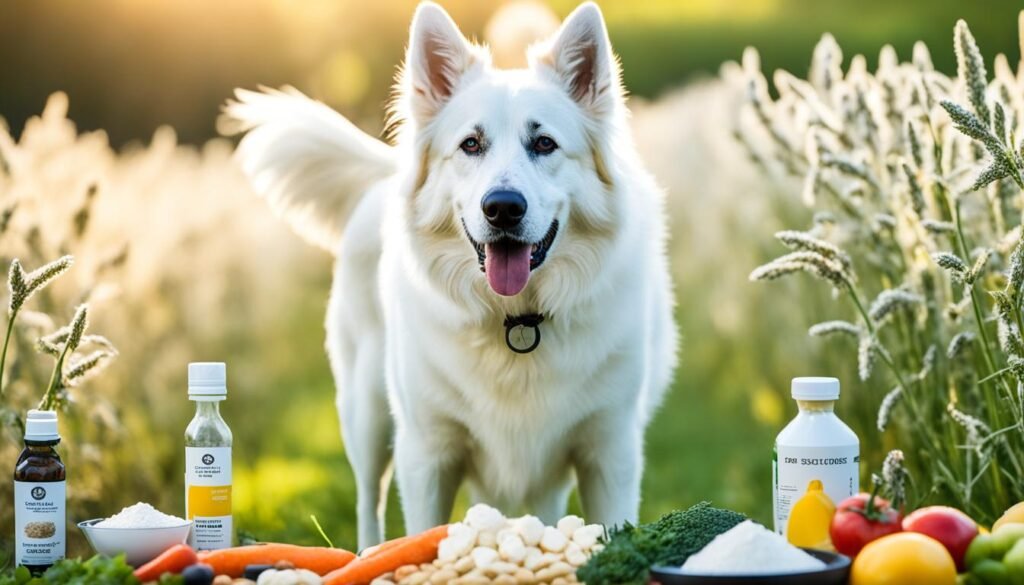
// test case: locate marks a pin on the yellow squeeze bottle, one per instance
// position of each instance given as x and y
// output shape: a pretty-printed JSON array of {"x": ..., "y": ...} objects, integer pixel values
[{"x": 208, "y": 459}]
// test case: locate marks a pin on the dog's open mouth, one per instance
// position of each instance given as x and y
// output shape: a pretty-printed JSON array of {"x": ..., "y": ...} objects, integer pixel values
[{"x": 507, "y": 262}]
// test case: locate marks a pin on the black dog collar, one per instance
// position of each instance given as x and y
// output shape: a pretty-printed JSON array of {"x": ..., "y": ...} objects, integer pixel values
[{"x": 522, "y": 332}]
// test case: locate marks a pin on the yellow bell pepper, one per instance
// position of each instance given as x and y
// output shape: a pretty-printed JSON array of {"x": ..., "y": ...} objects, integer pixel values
[{"x": 810, "y": 519}]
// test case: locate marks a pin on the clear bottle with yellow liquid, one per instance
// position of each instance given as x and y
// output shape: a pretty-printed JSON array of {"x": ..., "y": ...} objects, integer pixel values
[
  {"x": 815, "y": 465},
  {"x": 208, "y": 459}
]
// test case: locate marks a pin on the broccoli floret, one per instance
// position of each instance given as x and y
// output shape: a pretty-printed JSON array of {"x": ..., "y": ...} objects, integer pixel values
[
  {"x": 630, "y": 551},
  {"x": 689, "y": 531}
]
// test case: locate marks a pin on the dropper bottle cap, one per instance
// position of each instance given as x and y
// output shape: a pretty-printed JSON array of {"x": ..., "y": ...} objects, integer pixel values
[{"x": 41, "y": 426}]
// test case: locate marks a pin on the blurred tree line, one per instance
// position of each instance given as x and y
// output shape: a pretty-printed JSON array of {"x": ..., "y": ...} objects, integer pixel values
[{"x": 130, "y": 66}]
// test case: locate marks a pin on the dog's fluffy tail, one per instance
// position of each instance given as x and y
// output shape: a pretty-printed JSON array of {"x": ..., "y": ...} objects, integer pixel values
[{"x": 310, "y": 163}]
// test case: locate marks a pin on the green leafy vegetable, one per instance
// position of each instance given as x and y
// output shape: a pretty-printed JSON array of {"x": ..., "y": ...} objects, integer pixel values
[
  {"x": 630, "y": 551},
  {"x": 99, "y": 570}
]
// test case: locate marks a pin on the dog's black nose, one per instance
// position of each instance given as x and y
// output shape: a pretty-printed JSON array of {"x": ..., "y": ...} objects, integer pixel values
[{"x": 504, "y": 209}]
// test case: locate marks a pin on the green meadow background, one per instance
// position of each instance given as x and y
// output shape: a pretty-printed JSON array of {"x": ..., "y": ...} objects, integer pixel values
[{"x": 211, "y": 275}]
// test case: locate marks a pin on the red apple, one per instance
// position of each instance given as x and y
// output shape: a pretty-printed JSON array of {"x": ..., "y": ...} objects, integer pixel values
[{"x": 954, "y": 529}]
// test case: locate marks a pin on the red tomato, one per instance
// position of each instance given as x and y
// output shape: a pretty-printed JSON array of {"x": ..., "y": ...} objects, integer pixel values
[
  {"x": 954, "y": 529},
  {"x": 856, "y": 523}
]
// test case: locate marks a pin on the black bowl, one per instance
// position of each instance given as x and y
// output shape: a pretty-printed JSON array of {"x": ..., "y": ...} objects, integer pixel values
[{"x": 835, "y": 572}]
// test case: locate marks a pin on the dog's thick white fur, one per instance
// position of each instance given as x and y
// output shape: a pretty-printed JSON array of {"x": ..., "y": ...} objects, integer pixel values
[{"x": 415, "y": 326}]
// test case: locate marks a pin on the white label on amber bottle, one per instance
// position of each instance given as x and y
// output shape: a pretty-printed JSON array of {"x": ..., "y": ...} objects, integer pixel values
[{"x": 39, "y": 522}]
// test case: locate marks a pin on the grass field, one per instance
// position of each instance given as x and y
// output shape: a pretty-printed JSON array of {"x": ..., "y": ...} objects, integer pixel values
[{"x": 211, "y": 275}]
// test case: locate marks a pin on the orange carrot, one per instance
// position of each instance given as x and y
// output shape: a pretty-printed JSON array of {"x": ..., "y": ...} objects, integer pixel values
[
  {"x": 173, "y": 560},
  {"x": 410, "y": 550},
  {"x": 386, "y": 545},
  {"x": 233, "y": 561}
]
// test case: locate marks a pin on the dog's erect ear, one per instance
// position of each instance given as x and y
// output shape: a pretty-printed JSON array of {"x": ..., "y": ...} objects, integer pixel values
[
  {"x": 437, "y": 58},
  {"x": 581, "y": 56}
]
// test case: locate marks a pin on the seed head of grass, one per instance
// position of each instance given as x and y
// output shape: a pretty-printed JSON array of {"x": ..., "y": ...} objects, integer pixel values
[
  {"x": 809, "y": 262},
  {"x": 889, "y": 301},
  {"x": 886, "y": 407},
  {"x": 82, "y": 368},
  {"x": 867, "y": 350},
  {"x": 960, "y": 342},
  {"x": 952, "y": 263},
  {"x": 970, "y": 67},
  {"x": 834, "y": 328},
  {"x": 22, "y": 286},
  {"x": 928, "y": 361},
  {"x": 974, "y": 428},
  {"x": 978, "y": 268},
  {"x": 916, "y": 194},
  {"x": 803, "y": 241},
  {"x": 78, "y": 325},
  {"x": 1015, "y": 276},
  {"x": 1016, "y": 365},
  {"x": 938, "y": 228},
  {"x": 895, "y": 475}
]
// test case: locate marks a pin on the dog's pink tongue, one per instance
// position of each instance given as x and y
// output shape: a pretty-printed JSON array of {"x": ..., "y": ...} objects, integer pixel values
[{"x": 507, "y": 267}]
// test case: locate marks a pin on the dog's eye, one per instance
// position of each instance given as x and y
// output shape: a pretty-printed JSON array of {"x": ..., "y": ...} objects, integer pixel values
[
  {"x": 470, "y": 146},
  {"x": 544, "y": 145}
]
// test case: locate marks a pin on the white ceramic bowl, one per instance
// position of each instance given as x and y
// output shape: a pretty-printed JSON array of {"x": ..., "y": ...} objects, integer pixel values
[{"x": 139, "y": 545}]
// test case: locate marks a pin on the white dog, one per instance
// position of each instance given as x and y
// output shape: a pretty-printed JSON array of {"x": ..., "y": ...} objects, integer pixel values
[{"x": 502, "y": 307}]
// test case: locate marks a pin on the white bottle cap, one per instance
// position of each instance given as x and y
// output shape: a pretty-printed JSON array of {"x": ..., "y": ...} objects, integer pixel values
[
  {"x": 207, "y": 379},
  {"x": 41, "y": 425},
  {"x": 815, "y": 388}
]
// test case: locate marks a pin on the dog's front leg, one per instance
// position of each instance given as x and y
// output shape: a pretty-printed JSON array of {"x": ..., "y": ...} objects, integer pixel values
[
  {"x": 609, "y": 465},
  {"x": 429, "y": 468}
]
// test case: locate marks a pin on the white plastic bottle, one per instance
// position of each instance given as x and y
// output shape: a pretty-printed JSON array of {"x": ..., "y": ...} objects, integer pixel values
[
  {"x": 208, "y": 459},
  {"x": 814, "y": 446}
]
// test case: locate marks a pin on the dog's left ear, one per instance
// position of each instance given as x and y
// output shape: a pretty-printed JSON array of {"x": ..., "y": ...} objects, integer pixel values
[
  {"x": 580, "y": 55},
  {"x": 437, "y": 58}
]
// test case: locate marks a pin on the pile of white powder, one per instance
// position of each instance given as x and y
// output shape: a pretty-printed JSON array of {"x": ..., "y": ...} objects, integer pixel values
[
  {"x": 140, "y": 515},
  {"x": 750, "y": 549}
]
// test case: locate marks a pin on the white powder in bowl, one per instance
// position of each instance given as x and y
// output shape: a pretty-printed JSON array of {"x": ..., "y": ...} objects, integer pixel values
[
  {"x": 140, "y": 515},
  {"x": 750, "y": 549}
]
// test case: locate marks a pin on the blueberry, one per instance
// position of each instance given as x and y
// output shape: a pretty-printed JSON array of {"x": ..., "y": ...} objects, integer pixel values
[
  {"x": 252, "y": 572},
  {"x": 198, "y": 574}
]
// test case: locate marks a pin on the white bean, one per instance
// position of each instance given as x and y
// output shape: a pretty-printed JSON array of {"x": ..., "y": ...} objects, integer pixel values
[
  {"x": 530, "y": 528},
  {"x": 483, "y": 517},
  {"x": 464, "y": 565},
  {"x": 574, "y": 554},
  {"x": 588, "y": 535},
  {"x": 487, "y": 538},
  {"x": 512, "y": 549},
  {"x": 533, "y": 559},
  {"x": 483, "y": 556},
  {"x": 559, "y": 569},
  {"x": 462, "y": 530},
  {"x": 553, "y": 540},
  {"x": 443, "y": 576},
  {"x": 569, "y": 525},
  {"x": 524, "y": 576},
  {"x": 501, "y": 568},
  {"x": 404, "y": 571}
]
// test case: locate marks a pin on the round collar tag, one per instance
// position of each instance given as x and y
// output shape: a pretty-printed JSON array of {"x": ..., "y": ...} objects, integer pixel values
[{"x": 522, "y": 332}]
